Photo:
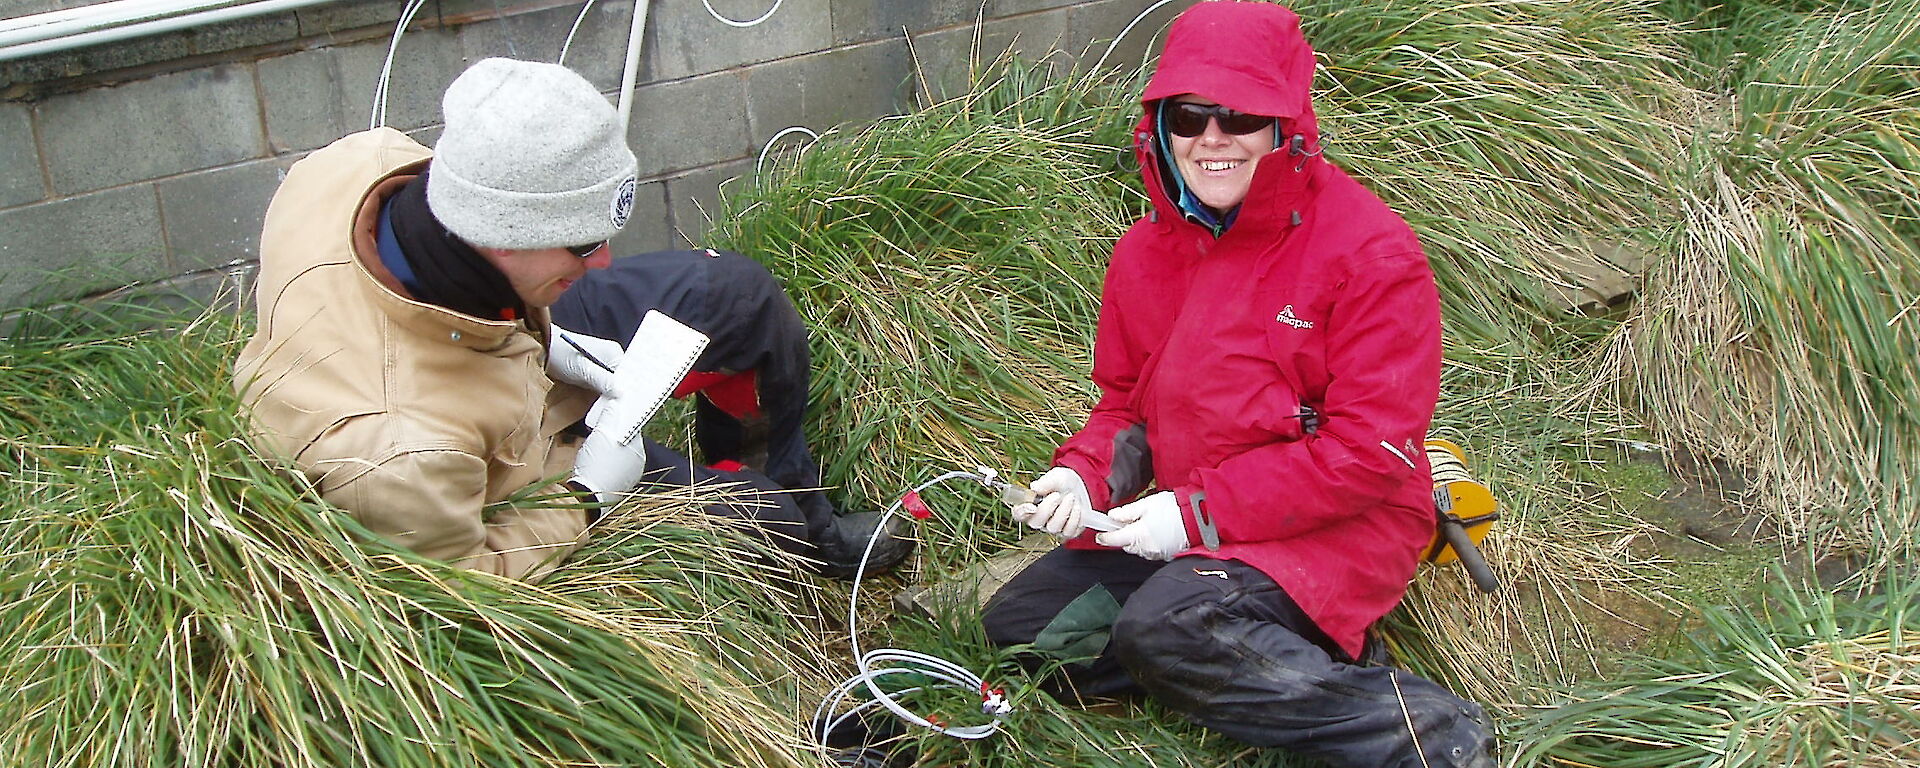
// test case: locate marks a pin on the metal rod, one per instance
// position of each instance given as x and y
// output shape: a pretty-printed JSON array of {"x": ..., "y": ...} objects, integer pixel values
[
  {"x": 632, "y": 69},
  {"x": 33, "y": 36}
]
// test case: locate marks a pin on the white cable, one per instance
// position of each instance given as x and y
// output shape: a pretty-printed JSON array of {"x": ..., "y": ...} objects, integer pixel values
[
  {"x": 741, "y": 24},
  {"x": 1417, "y": 749},
  {"x": 1448, "y": 468},
  {"x": 947, "y": 673},
  {"x": 767, "y": 147},
  {"x": 1124, "y": 30},
  {"x": 386, "y": 70},
  {"x": 567, "y": 44}
]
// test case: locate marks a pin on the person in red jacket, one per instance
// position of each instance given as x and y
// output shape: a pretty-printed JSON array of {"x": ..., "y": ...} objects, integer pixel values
[{"x": 1268, "y": 359}]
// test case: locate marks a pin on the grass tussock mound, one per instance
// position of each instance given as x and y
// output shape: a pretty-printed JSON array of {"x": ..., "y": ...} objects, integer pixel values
[
  {"x": 170, "y": 597},
  {"x": 1780, "y": 331},
  {"x": 1813, "y": 680},
  {"x": 948, "y": 263}
]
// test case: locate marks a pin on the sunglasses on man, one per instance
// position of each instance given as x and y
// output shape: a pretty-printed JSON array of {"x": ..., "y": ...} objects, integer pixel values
[
  {"x": 584, "y": 251},
  {"x": 1187, "y": 120}
]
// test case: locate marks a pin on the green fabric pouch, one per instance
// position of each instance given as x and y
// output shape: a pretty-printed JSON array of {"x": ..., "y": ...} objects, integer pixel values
[{"x": 1081, "y": 630}]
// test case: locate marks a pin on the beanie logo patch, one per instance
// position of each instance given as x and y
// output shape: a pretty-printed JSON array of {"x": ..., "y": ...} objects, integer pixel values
[{"x": 623, "y": 202}]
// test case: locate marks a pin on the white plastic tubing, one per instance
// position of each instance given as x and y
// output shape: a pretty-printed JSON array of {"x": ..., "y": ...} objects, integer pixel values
[{"x": 118, "y": 20}]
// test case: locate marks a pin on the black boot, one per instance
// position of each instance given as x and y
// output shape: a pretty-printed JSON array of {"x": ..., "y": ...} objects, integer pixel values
[
  {"x": 873, "y": 738},
  {"x": 840, "y": 549}
]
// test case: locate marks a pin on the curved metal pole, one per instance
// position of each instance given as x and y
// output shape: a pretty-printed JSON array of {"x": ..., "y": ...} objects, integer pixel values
[
  {"x": 632, "y": 69},
  {"x": 112, "y": 22}
]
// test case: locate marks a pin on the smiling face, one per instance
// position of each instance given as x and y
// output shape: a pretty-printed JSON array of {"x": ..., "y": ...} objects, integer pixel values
[
  {"x": 1218, "y": 166},
  {"x": 540, "y": 276}
]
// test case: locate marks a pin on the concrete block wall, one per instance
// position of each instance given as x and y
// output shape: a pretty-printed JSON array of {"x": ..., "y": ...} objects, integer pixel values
[{"x": 153, "y": 160}]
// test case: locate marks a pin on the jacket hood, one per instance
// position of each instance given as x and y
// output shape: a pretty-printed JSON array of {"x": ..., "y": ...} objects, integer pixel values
[{"x": 1250, "y": 57}]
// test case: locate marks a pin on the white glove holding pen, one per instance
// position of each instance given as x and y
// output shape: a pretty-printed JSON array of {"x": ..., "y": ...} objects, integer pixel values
[
  {"x": 1062, "y": 502},
  {"x": 633, "y": 380},
  {"x": 1150, "y": 527},
  {"x": 582, "y": 360}
]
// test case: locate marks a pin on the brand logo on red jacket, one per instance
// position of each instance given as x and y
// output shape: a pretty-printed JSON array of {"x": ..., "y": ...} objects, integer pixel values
[{"x": 1286, "y": 316}]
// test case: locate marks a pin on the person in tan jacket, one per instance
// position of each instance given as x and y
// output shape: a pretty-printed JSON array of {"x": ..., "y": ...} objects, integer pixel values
[{"x": 405, "y": 360}]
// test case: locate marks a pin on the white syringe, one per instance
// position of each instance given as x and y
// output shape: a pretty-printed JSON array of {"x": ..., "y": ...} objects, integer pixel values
[{"x": 1015, "y": 494}]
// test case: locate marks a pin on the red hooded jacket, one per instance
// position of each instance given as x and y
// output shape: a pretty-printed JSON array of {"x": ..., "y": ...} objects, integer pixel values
[{"x": 1316, "y": 295}]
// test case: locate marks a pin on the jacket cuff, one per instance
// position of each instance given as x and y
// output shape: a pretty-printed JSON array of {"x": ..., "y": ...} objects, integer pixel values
[
  {"x": 594, "y": 506},
  {"x": 1202, "y": 530}
]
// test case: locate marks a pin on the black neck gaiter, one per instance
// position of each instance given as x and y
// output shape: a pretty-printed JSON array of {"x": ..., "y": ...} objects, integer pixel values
[{"x": 447, "y": 272}]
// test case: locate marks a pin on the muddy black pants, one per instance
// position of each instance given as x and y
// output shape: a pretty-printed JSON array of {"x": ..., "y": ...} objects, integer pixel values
[
  {"x": 750, "y": 382},
  {"x": 1221, "y": 643}
]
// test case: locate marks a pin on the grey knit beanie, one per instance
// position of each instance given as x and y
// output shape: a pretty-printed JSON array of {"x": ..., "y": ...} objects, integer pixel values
[{"x": 532, "y": 157}]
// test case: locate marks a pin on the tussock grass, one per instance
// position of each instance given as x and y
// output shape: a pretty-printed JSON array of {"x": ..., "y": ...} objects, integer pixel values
[
  {"x": 1516, "y": 137},
  {"x": 948, "y": 263},
  {"x": 1808, "y": 679},
  {"x": 169, "y": 597},
  {"x": 1779, "y": 333}
]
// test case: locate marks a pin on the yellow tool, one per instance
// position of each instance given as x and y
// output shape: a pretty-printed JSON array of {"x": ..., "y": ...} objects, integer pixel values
[{"x": 1464, "y": 511}]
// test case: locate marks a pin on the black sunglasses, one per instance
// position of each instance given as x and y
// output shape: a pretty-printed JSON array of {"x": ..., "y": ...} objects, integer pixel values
[
  {"x": 584, "y": 251},
  {"x": 1187, "y": 120}
]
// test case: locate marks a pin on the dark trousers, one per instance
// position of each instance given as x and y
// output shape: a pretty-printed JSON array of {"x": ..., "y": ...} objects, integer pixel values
[
  {"x": 755, "y": 333},
  {"x": 1221, "y": 643}
]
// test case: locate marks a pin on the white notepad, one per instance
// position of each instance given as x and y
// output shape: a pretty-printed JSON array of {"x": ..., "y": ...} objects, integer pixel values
[{"x": 654, "y": 364}]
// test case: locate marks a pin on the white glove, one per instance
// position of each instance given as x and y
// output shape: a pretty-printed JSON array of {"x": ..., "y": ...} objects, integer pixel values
[
  {"x": 645, "y": 371},
  {"x": 1150, "y": 527},
  {"x": 1059, "y": 510},
  {"x": 607, "y": 468},
  {"x": 571, "y": 358}
]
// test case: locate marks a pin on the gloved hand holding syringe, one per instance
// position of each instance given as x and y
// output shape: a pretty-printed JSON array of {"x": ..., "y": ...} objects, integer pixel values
[{"x": 1057, "y": 503}]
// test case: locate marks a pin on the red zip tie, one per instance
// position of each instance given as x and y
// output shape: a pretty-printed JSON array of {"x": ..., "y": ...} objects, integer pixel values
[{"x": 915, "y": 506}]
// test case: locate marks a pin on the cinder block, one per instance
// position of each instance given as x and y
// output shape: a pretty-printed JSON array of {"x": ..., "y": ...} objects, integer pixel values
[
  {"x": 688, "y": 124},
  {"x": 314, "y": 97},
  {"x": 230, "y": 290},
  {"x": 20, "y": 178},
  {"x": 76, "y": 246},
  {"x": 684, "y": 40},
  {"x": 651, "y": 227},
  {"x": 303, "y": 99},
  {"x": 858, "y": 21},
  {"x": 426, "y": 136},
  {"x": 599, "y": 48},
  {"x": 822, "y": 90},
  {"x": 214, "y": 217},
  {"x": 948, "y": 60},
  {"x": 151, "y": 128},
  {"x": 1093, "y": 28},
  {"x": 694, "y": 200}
]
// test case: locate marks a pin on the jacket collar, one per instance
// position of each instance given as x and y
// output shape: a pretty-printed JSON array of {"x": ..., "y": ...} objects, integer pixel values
[{"x": 426, "y": 320}]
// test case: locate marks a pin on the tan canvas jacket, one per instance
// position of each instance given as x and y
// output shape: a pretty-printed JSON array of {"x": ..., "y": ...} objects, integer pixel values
[{"x": 413, "y": 418}]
